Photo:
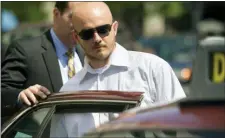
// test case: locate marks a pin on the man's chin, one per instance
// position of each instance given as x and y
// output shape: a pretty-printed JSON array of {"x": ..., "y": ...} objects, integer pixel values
[{"x": 101, "y": 56}]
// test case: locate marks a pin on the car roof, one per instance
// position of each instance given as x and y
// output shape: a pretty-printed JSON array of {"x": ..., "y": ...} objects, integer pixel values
[
  {"x": 177, "y": 102},
  {"x": 182, "y": 114}
]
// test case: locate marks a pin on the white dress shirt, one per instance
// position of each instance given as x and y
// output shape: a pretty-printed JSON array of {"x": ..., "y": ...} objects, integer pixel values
[
  {"x": 126, "y": 71},
  {"x": 61, "y": 49}
]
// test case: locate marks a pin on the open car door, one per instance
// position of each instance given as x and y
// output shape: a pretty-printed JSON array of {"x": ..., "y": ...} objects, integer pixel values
[{"x": 36, "y": 121}]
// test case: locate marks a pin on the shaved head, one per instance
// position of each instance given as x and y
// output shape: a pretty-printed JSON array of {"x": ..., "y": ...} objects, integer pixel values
[{"x": 84, "y": 13}]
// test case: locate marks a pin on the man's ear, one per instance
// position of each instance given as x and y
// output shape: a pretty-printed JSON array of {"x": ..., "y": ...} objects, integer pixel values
[
  {"x": 75, "y": 36},
  {"x": 56, "y": 12},
  {"x": 115, "y": 27}
]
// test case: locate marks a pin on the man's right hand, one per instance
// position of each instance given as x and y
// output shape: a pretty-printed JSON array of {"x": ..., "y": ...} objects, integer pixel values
[{"x": 30, "y": 94}]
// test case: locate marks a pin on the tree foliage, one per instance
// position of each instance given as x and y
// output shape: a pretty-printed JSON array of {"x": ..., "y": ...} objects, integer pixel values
[
  {"x": 167, "y": 9},
  {"x": 31, "y": 11},
  {"x": 26, "y": 11}
]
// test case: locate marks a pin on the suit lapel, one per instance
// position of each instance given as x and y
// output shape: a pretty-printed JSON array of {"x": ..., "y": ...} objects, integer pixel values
[{"x": 51, "y": 62}]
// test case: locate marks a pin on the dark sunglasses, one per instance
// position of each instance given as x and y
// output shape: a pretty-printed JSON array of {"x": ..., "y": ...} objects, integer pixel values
[{"x": 88, "y": 34}]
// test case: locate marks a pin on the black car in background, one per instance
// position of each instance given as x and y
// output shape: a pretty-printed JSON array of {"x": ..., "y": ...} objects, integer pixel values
[{"x": 178, "y": 51}]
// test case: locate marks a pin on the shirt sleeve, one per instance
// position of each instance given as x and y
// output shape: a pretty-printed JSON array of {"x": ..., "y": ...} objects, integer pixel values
[
  {"x": 168, "y": 87},
  {"x": 13, "y": 75}
]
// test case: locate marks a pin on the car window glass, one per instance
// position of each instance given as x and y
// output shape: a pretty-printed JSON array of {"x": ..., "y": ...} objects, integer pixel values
[
  {"x": 29, "y": 125},
  {"x": 76, "y": 119}
]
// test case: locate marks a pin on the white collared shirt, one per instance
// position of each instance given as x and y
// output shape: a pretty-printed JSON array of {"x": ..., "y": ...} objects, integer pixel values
[
  {"x": 130, "y": 71},
  {"x": 126, "y": 71},
  {"x": 61, "y": 49}
]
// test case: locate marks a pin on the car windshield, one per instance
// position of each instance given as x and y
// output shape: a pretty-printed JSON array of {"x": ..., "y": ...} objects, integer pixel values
[
  {"x": 179, "y": 49},
  {"x": 175, "y": 54}
]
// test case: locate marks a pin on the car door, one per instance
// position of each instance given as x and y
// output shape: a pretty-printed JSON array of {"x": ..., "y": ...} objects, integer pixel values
[{"x": 36, "y": 121}]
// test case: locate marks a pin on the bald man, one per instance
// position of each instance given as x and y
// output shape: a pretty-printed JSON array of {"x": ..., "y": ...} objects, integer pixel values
[{"x": 109, "y": 66}]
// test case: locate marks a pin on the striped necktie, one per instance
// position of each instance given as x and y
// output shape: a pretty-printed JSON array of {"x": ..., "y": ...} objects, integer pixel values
[{"x": 71, "y": 69}]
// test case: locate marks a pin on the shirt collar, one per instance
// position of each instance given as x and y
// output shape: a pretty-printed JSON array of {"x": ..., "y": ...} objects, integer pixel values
[
  {"x": 61, "y": 49},
  {"x": 119, "y": 58}
]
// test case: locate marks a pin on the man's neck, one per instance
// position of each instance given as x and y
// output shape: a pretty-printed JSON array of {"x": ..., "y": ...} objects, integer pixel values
[
  {"x": 64, "y": 39},
  {"x": 96, "y": 64}
]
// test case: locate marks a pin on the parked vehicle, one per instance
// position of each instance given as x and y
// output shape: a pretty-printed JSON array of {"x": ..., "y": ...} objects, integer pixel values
[
  {"x": 186, "y": 118},
  {"x": 209, "y": 68},
  {"x": 178, "y": 51}
]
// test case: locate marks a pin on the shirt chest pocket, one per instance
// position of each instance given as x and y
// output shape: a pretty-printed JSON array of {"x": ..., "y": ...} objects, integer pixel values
[
  {"x": 133, "y": 81},
  {"x": 137, "y": 81}
]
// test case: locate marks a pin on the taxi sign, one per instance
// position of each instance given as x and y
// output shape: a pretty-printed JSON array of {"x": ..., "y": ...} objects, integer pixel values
[{"x": 217, "y": 67}]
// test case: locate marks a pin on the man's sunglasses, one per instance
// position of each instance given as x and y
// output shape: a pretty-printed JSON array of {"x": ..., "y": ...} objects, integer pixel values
[{"x": 88, "y": 34}]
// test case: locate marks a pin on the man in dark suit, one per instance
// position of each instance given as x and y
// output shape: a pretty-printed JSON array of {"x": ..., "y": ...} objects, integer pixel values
[{"x": 33, "y": 68}]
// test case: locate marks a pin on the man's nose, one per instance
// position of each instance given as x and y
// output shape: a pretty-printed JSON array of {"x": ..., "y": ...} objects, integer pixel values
[{"x": 97, "y": 38}]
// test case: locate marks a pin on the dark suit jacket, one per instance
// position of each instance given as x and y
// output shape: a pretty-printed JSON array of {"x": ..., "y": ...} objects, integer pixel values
[
  {"x": 3, "y": 50},
  {"x": 28, "y": 62}
]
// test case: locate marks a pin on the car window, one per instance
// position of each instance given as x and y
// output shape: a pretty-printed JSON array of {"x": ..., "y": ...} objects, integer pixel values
[
  {"x": 176, "y": 54},
  {"x": 29, "y": 125},
  {"x": 172, "y": 48},
  {"x": 81, "y": 116},
  {"x": 73, "y": 120}
]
